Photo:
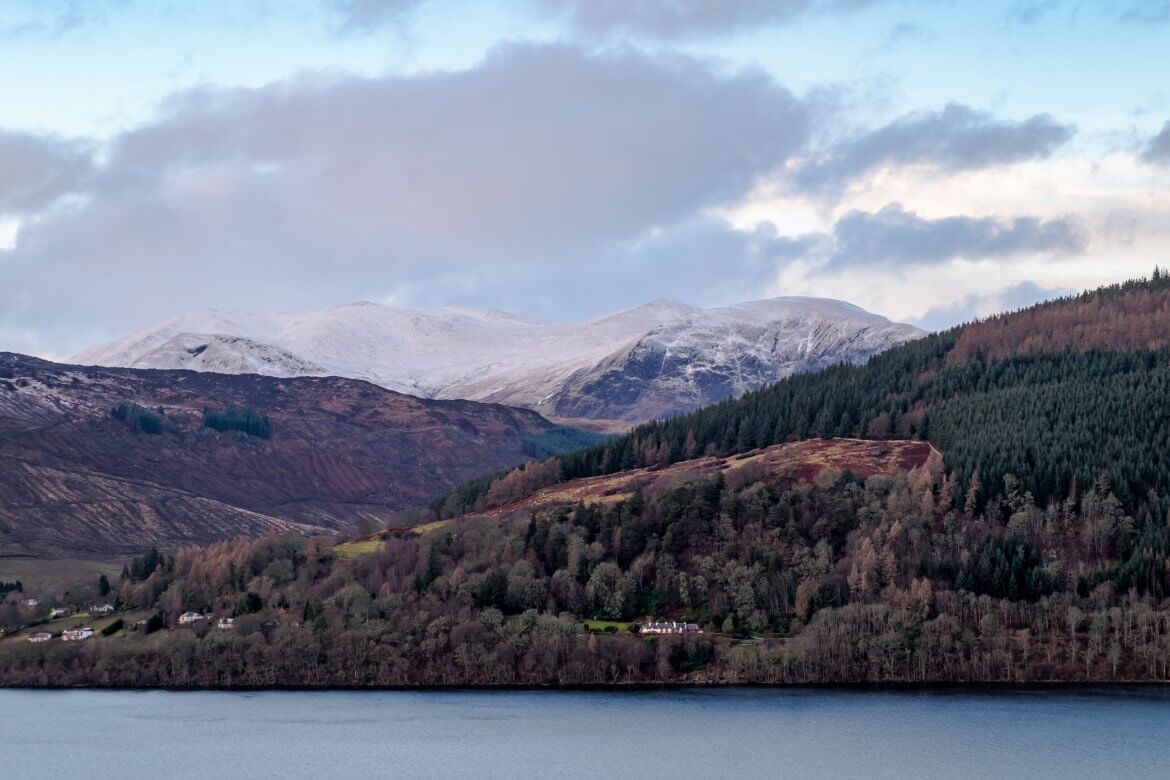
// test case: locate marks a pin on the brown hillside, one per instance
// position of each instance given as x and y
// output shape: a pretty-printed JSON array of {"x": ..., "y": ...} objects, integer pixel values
[
  {"x": 75, "y": 480},
  {"x": 798, "y": 462},
  {"x": 1138, "y": 318}
]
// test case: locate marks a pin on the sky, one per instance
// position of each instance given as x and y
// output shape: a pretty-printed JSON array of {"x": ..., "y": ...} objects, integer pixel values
[{"x": 933, "y": 161}]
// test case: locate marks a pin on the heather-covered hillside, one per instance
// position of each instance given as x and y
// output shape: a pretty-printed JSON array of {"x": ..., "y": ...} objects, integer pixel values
[{"x": 97, "y": 462}]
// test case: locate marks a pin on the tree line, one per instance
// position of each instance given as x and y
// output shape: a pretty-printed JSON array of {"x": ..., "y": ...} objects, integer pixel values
[{"x": 841, "y": 579}]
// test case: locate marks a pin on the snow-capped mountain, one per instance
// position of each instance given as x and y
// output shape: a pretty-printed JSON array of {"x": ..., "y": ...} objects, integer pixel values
[{"x": 658, "y": 359}]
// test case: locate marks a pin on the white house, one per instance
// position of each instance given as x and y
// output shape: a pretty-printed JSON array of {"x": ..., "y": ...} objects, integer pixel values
[
  {"x": 670, "y": 627},
  {"x": 226, "y": 623},
  {"x": 102, "y": 609},
  {"x": 191, "y": 617},
  {"x": 57, "y": 612},
  {"x": 76, "y": 634},
  {"x": 40, "y": 636},
  {"x": 30, "y": 602}
]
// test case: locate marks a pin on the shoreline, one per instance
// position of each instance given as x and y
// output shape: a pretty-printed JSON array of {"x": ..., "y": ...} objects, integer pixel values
[{"x": 901, "y": 687}]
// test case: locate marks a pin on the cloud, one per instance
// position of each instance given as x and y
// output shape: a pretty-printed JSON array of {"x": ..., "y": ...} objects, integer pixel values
[
  {"x": 652, "y": 19},
  {"x": 543, "y": 161},
  {"x": 367, "y": 15},
  {"x": 1157, "y": 151},
  {"x": 36, "y": 171},
  {"x": 1145, "y": 11},
  {"x": 672, "y": 19},
  {"x": 956, "y": 138},
  {"x": 896, "y": 238},
  {"x": 52, "y": 18},
  {"x": 977, "y": 306},
  {"x": 1032, "y": 11}
]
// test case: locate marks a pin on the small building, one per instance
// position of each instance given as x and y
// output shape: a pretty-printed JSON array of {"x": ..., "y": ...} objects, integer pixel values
[
  {"x": 670, "y": 627},
  {"x": 30, "y": 602},
  {"x": 40, "y": 636},
  {"x": 191, "y": 617},
  {"x": 102, "y": 609},
  {"x": 57, "y": 612},
  {"x": 76, "y": 634},
  {"x": 225, "y": 623}
]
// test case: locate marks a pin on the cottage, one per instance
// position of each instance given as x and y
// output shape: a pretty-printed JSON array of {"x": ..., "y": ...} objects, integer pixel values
[
  {"x": 30, "y": 602},
  {"x": 76, "y": 634},
  {"x": 102, "y": 609},
  {"x": 40, "y": 636},
  {"x": 57, "y": 612},
  {"x": 670, "y": 627},
  {"x": 226, "y": 623},
  {"x": 191, "y": 617}
]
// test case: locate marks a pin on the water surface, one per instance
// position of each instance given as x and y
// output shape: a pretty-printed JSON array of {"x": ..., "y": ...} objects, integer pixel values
[{"x": 704, "y": 733}]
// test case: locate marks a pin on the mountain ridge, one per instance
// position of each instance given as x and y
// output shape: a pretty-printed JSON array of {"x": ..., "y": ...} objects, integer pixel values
[{"x": 658, "y": 359}]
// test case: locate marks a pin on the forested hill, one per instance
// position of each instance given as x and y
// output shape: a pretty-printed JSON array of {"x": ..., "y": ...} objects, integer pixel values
[{"x": 1048, "y": 398}]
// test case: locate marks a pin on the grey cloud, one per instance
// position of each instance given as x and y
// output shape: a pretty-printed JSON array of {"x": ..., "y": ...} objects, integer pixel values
[
  {"x": 955, "y": 138},
  {"x": 701, "y": 261},
  {"x": 35, "y": 171},
  {"x": 655, "y": 19},
  {"x": 1157, "y": 151},
  {"x": 667, "y": 19},
  {"x": 973, "y": 307},
  {"x": 543, "y": 160},
  {"x": 898, "y": 238}
]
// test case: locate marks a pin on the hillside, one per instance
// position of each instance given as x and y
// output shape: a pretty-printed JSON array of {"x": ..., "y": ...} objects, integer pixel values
[
  {"x": 75, "y": 480},
  {"x": 655, "y": 360},
  {"x": 1041, "y": 402},
  {"x": 787, "y": 569}
]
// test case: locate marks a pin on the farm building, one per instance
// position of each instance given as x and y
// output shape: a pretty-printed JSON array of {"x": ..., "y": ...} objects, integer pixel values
[
  {"x": 76, "y": 634},
  {"x": 191, "y": 617},
  {"x": 670, "y": 627}
]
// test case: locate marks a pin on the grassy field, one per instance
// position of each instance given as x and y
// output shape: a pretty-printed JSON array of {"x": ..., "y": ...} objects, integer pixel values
[
  {"x": 428, "y": 527},
  {"x": 77, "y": 620},
  {"x": 600, "y": 626},
  {"x": 374, "y": 543},
  {"x": 42, "y": 576},
  {"x": 348, "y": 550}
]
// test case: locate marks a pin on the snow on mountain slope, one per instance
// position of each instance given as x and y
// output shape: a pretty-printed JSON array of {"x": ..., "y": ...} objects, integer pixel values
[
  {"x": 658, "y": 359},
  {"x": 723, "y": 353}
]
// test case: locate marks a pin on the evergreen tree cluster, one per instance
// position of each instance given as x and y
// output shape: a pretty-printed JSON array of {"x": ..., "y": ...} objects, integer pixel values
[
  {"x": 141, "y": 567},
  {"x": 557, "y": 441},
  {"x": 139, "y": 418},
  {"x": 235, "y": 418}
]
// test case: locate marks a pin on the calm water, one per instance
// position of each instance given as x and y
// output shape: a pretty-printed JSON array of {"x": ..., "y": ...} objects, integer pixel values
[{"x": 708, "y": 733}]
